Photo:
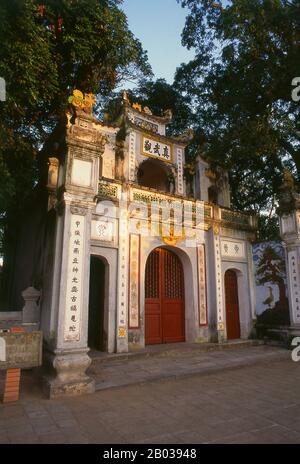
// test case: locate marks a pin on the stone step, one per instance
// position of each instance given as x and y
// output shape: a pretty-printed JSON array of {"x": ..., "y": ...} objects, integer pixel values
[
  {"x": 138, "y": 370},
  {"x": 171, "y": 350}
]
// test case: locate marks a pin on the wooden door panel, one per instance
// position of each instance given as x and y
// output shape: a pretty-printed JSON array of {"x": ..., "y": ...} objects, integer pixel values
[
  {"x": 153, "y": 329},
  {"x": 164, "y": 300},
  {"x": 153, "y": 332},
  {"x": 173, "y": 322},
  {"x": 232, "y": 306}
]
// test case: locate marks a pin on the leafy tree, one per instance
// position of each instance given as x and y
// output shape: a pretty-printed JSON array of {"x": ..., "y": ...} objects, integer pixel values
[
  {"x": 268, "y": 227},
  {"x": 48, "y": 48},
  {"x": 246, "y": 55},
  {"x": 158, "y": 96}
]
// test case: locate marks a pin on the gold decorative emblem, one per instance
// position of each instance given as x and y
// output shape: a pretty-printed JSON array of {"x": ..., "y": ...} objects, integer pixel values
[
  {"x": 216, "y": 229},
  {"x": 137, "y": 106},
  {"x": 220, "y": 326},
  {"x": 122, "y": 332},
  {"x": 82, "y": 101},
  {"x": 171, "y": 239}
]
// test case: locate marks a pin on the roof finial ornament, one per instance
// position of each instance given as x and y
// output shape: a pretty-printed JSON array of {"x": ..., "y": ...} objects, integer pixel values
[
  {"x": 83, "y": 102},
  {"x": 125, "y": 97}
]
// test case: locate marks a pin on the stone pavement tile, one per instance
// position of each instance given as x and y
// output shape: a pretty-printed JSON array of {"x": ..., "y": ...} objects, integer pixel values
[
  {"x": 283, "y": 416},
  {"x": 77, "y": 438},
  {"x": 241, "y": 438},
  {"x": 293, "y": 425},
  {"x": 14, "y": 423},
  {"x": 257, "y": 422},
  {"x": 224, "y": 407},
  {"x": 44, "y": 428},
  {"x": 53, "y": 438},
  {"x": 23, "y": 438},
  {"x": 166, "y": 439},
  {"x": 189, "y": 436},
  {"x": 3, "y": 437},
  {"x": 142, "y": 430},
  {"x": 223, "y": 430},
  {"x": 21, "y": 430},
  {"x": 11, "y": 410},
  {"x": 65, "y": 422},
  {"x": 102, "y": 435},
  {"x": 277, "y": 435},
  {"x": 36, "y": 414}
]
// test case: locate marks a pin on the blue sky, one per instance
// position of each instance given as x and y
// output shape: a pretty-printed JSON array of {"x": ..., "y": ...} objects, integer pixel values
[{"x": 158, "y": 25}]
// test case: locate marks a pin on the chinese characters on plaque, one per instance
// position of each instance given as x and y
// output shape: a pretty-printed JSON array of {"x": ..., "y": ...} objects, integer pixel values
[
  {"x": 74, "y": 279},
  {"x": 157, "y": 149}
]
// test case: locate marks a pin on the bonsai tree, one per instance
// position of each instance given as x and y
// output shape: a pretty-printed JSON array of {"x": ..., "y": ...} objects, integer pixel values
[{"x": 271, "y": 269}]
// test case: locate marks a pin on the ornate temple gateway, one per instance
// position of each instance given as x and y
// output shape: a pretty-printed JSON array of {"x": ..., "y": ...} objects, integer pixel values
[{"x": 135, "y": 252}]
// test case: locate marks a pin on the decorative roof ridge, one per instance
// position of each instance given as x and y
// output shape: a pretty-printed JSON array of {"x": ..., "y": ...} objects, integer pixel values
[{"x": 160, "y": 119}]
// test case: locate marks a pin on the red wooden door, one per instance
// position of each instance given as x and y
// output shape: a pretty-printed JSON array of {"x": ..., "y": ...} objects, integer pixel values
[
  {"x": 164, "y": 298},
  {"x": 232, "y": 306}
]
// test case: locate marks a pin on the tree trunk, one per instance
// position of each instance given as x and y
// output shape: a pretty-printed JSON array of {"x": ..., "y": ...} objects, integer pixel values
[{"x": 282, "y": 292}]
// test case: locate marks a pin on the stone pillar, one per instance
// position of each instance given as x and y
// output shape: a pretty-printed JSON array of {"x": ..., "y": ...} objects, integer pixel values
[
  {"x": 123, "y": 270},
  {"x": 31, "y": 311},
  {"x": 66, "y": 353},
  {"x": 218, "y": 284},
  {"x": 289, "y": 214}
]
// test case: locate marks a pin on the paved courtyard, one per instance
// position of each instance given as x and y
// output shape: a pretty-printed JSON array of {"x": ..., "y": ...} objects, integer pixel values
[{"x": 258, "y": 403}]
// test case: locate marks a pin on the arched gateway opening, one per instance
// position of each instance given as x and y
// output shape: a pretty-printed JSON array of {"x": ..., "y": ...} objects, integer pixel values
[
  {"x": 232, "y": 306},
  {"x": 164, "y": 298},
  {"x": 96, "y": 329}
]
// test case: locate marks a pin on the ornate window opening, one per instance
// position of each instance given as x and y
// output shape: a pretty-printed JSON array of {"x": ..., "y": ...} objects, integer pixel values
[{"x": 153, "y": 174}]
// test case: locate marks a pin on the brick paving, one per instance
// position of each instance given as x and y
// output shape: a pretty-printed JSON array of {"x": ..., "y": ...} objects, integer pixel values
[{"x": 258, "y": 403}]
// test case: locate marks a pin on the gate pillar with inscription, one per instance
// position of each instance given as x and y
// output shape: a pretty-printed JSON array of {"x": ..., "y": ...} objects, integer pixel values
[
  {"x": 66, "y": 351},
  {"x": 289, "y": 214},
  {"x": 215, "y": 284}
]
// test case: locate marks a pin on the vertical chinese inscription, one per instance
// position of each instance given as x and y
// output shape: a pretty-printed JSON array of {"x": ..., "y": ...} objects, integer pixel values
[
  {"x": 123, "y": 270},
  {"x": 132, "y": 156},
  {"x": 74, "y": 279},
  {"x": 219, "y": 283},
  {"x": 202, "y": 285},
  {"x": 180, "y": 171},
  {"x": 134, "y": 272},
  {"x": 294, "y": 285}
]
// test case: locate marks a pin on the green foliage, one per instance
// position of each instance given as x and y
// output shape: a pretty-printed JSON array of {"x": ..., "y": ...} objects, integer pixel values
[
  {"x": 47, "y": 49},
  {"x": 268, "y": 228},
  {"x": 246, "y": 55},
  {"x": 158, "y": 96}
]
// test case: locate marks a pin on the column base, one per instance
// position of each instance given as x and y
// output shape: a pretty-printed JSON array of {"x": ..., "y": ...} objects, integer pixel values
[
  {"x": 55, "y": 389},
  {"x": 66, "y": 374},
  {"x": 221, "y": 336}
]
